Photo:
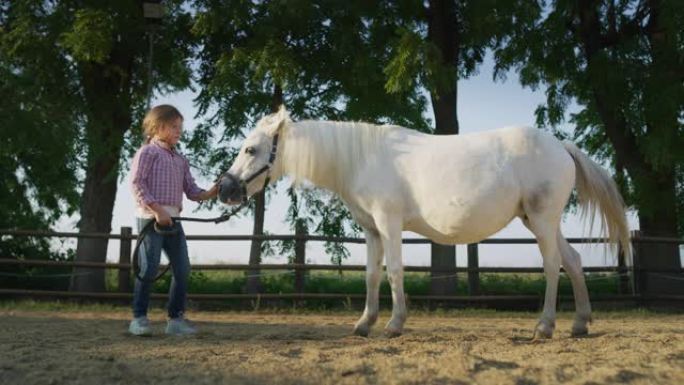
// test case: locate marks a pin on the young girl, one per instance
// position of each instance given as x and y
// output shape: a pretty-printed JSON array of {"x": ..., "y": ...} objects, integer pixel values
[{"x": 160, "y": 176}]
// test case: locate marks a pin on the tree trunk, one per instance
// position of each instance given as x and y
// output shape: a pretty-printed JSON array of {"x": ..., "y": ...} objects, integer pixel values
[
  {"x": 97, "y": 204},
  {"x": 656, "y": 194},
  {"x": 663, "y": 259},
  {"x": 253, "y": 274},
  {"x": 660, "y": 217},
  {"x": 109, "y": 117},
  {"x": 442, "y": 31}
]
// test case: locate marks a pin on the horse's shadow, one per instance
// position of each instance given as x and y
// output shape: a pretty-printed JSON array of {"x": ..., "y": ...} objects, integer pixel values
[
  {"x": 530, "y": 339},
  {"x": 213, "y": 331}
]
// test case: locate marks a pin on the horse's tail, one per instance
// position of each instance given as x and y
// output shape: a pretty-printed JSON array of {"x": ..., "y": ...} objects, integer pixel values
[{"x": 597, "y": 191}]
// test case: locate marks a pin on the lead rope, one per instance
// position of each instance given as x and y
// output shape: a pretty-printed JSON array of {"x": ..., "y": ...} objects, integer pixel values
[{"x": 154, "y": 226}]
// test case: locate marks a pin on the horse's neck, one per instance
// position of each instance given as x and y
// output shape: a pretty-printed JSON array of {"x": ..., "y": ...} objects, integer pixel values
[{"x": 319, "y": 152}]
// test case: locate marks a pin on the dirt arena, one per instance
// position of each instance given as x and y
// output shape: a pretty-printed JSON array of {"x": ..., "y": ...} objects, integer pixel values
[{"x": 87, "y": 347}]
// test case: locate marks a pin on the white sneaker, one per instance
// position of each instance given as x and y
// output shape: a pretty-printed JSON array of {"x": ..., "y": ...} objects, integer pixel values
[
  {"x": 140, "y": 326},
  {"x": 179, "y": 327}
]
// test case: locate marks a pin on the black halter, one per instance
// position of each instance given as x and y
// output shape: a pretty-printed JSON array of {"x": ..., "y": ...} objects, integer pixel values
[{"x": 265, "y": 168}]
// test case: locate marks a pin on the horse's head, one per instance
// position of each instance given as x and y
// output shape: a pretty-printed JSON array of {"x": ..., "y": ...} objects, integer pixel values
[{"x": 247, "y": 176}]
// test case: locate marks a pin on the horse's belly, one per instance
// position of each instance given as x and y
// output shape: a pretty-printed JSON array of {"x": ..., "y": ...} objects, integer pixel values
[
  {"x": 454, "y": 220},
  {"x": 460, "y": 231}
]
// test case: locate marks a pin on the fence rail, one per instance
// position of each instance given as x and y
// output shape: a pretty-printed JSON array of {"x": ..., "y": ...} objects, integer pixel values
[
  {"x": 293, "y": 266},
  {"x": 290, "y": 237},
  {"x": 195, "y": 296},
  {"x": 628, "y": 281}
]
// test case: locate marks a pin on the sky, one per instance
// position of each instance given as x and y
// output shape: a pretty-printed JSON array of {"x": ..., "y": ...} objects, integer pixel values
[{"x": 483, "y": 104}]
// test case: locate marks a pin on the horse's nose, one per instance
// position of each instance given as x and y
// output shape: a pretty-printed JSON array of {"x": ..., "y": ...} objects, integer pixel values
[{"x": 229, "y": 189}]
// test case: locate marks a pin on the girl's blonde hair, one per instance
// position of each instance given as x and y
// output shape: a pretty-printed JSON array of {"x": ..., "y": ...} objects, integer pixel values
[{"x": 157, "y": 117}]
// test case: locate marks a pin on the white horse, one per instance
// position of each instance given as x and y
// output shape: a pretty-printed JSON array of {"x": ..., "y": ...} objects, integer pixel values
[{"x": 451, "y": 189}]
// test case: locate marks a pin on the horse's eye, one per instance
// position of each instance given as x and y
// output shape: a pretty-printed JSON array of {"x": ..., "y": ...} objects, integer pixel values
[{"x": 250, "y": 150}]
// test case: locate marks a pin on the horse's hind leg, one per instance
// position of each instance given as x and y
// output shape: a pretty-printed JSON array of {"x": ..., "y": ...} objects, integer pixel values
[
  {"x": 373, "y": 276},
  {"x": 546, "y": 233},
  {"x": 573, "y": 267}
]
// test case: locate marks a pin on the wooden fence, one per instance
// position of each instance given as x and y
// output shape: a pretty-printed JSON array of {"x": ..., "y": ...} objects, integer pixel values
[{"x": 629, "y": 286}]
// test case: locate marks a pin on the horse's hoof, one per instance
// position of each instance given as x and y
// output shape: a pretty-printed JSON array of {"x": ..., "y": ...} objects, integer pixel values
[
  {"x": 579, "y": 331},
  {"x": 361, "y": 331},
  {"x": 579, "y": 326},
  {"x": 392, "y": 333},
  {"x": 541, "y": 335},
  {"x": 542, "y": 331}
]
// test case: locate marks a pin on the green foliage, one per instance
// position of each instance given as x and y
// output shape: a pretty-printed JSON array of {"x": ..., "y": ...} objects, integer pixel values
[
  {"x": 406, "y": 63},
  {"x": 34, "y": 278},
  {"x": 37, "y": 162},
  {"x": 72, "y": 67},
  {"x": 278, "y": 281},
  {"x": 36, "y": 123},
  {"x": 91, "y": 35},
  {"x": 417, "y": 62}
]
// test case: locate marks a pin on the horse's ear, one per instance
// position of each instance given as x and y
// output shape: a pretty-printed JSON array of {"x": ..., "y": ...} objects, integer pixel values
[{"x": 279, "y": 120}]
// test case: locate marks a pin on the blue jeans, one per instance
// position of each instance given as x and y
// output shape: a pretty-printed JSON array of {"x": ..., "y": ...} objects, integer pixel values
[{"x": 149, "y": 254}]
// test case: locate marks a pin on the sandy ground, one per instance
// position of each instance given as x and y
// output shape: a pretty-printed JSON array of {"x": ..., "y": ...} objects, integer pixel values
[{"x": 78, "y": 347}]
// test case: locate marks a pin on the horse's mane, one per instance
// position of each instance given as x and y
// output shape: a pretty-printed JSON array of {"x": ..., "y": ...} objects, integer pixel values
[{"x": 330, "y": 153}]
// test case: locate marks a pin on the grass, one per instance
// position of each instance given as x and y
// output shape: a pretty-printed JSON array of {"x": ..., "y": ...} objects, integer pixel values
[
  {"x": 58, "y": 306},
  {"x": 217, "y": 282},
  {"x": 75, "y": 307},
  {"x": 282, "y": 281}
]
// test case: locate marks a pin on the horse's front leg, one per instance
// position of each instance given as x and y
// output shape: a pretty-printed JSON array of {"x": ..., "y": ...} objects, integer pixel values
[
  {"x": 390, "y": 234},
  {"x": 373, "y": 270}
]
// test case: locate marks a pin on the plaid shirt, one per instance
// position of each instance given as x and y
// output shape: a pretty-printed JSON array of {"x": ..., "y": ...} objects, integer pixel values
[{"x": 161, "y": 175}]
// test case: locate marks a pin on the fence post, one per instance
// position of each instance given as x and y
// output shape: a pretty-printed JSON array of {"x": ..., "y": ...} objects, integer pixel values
[
  {"x": 300, "y": 255},
  {"x": 125, "y": 257},
  {"x": 623, "y": 275},
  {"x": 473, "y": 275},
  {"x": 443, "y": 269},
  {"x": 638, "y": 278}
]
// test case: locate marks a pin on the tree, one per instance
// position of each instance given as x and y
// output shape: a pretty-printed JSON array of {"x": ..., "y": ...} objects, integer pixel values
[
  {"x": 622, "y": 62},
  {"x": 99, "y": 51},
  {"x": 324, "y": 59},
  {"x": 37, "y": 166}
]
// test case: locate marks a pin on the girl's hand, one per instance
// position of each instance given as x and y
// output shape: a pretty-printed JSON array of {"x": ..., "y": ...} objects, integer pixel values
[
  {"x": 163, "y": 218},
  {"x": 211, "y": 193}
]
